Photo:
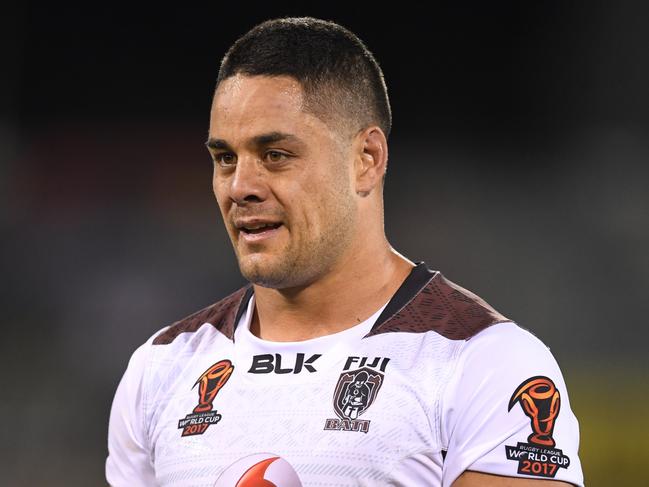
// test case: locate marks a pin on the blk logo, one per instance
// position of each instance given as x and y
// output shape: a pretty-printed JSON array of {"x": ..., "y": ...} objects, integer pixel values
[{"x": 268, "y": 364}]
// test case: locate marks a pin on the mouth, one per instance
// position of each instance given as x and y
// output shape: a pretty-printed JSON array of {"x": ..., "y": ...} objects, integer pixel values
[
  {"x": 258, "y": 227},
  {"x": 256, "y": 230}
]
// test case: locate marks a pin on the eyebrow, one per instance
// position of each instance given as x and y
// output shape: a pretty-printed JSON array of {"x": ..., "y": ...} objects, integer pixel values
[{"x": 261, "y": 139}]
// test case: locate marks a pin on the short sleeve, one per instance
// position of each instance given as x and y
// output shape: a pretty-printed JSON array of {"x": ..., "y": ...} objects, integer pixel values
[
  {"x": 129, "y": 461},
  {"x": 506, "y": 411}
]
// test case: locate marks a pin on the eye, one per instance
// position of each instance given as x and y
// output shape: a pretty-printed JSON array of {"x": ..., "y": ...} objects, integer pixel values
[
  {"x": 275, "y": 156},
  {"x": 225, "y": 159}
]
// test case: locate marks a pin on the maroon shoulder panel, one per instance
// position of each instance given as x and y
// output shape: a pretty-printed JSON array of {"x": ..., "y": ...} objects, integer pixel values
[
  {"x": 222, "y": 315},
  {"x": 444, "y": 307}
]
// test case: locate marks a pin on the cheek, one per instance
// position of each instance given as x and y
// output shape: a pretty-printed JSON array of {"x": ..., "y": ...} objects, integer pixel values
[
  {"x": 321, "y": 204},
  {"x": 218, "y": 188},
  {"x": 295, "y": 198}
]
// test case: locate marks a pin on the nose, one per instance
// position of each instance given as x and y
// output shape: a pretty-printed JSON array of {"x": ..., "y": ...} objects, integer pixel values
[{"x": 248, "y": 184}]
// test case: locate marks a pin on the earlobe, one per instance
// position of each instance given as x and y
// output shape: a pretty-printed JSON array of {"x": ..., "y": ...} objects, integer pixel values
[{"x": 371, "y": 161}]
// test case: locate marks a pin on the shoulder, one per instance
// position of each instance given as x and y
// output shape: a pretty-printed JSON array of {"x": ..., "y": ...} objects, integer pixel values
[
  {"x": 507, "y": 354},
  {"x": 428, "y": 301},
  {"x": 172, "y": 347},
  {"x": 506, "y": 406},
  {"x": 222, "y": 315},
  {"x": 496, "y": 363},
  {"x": 512, "y": 341}
]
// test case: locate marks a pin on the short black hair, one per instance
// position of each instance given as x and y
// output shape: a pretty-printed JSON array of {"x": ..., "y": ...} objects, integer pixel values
[{"x": 340, "y": 77}]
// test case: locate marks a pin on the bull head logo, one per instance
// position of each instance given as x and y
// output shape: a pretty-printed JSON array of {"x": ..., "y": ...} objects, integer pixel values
[{"x": 540, "y": 401}]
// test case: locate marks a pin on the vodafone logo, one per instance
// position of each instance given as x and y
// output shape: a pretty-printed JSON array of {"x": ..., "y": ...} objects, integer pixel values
[{"x": 259, "y": 470}]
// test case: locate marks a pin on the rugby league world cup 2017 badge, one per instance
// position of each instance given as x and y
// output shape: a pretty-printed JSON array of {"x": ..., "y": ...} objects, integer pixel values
[
  {"x": 540, "y": 400},
  {"x": 209, "y": 384},
  {"x": 355, "y": 392}
]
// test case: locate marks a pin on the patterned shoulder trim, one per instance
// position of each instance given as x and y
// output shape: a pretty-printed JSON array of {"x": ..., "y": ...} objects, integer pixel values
[
  {"x": 439, "y": 305},
  {"x": 222, "y": 315}
]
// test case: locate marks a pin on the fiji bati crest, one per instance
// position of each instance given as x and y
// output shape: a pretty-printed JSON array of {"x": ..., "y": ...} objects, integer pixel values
[{"x": 355, "y": 392}]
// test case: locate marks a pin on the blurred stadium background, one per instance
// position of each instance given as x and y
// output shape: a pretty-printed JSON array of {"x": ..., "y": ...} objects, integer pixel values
[{"x": 519, "y": 166}]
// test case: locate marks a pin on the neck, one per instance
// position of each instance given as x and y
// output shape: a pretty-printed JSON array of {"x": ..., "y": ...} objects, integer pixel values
[{"x": 344, "y": 297}]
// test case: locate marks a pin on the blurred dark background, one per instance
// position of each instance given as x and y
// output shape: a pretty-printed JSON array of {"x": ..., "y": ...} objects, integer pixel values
[{"x": 519, "y": 167}]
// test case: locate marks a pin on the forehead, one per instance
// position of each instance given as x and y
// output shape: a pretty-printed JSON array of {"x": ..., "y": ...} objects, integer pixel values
[{"x": 244, "y": 106}]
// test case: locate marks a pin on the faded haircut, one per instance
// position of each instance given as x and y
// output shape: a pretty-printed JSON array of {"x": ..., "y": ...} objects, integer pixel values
[{"x": 341, "y": 79}]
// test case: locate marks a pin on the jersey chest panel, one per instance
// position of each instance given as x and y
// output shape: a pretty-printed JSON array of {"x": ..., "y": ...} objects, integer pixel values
[{"x": 353, "y": 415}]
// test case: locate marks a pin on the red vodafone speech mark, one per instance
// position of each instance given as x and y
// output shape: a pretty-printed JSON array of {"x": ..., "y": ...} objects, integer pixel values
[{"x": 254, "y": 476}]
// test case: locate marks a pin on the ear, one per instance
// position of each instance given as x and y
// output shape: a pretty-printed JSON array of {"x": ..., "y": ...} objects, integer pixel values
[{"x": 371, "y": 159}]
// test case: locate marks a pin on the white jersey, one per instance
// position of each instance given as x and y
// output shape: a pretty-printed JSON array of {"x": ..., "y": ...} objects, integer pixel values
[{"x": 436, "y": 382}]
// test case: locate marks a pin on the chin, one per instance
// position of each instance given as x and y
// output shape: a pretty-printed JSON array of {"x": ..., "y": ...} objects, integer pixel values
[
  {"x": 277, "y": 273},
  {"x": 267, "y": 272}
]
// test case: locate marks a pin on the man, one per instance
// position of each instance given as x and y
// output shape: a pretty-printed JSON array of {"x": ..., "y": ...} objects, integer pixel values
[{"x": 343, "y": 362}]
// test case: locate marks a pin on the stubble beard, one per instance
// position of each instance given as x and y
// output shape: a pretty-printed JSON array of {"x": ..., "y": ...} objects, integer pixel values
[{"x": 302, "y": 261}]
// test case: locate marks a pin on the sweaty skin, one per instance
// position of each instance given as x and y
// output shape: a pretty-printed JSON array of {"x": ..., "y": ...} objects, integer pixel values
[{"x": 323, "y": 263}]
